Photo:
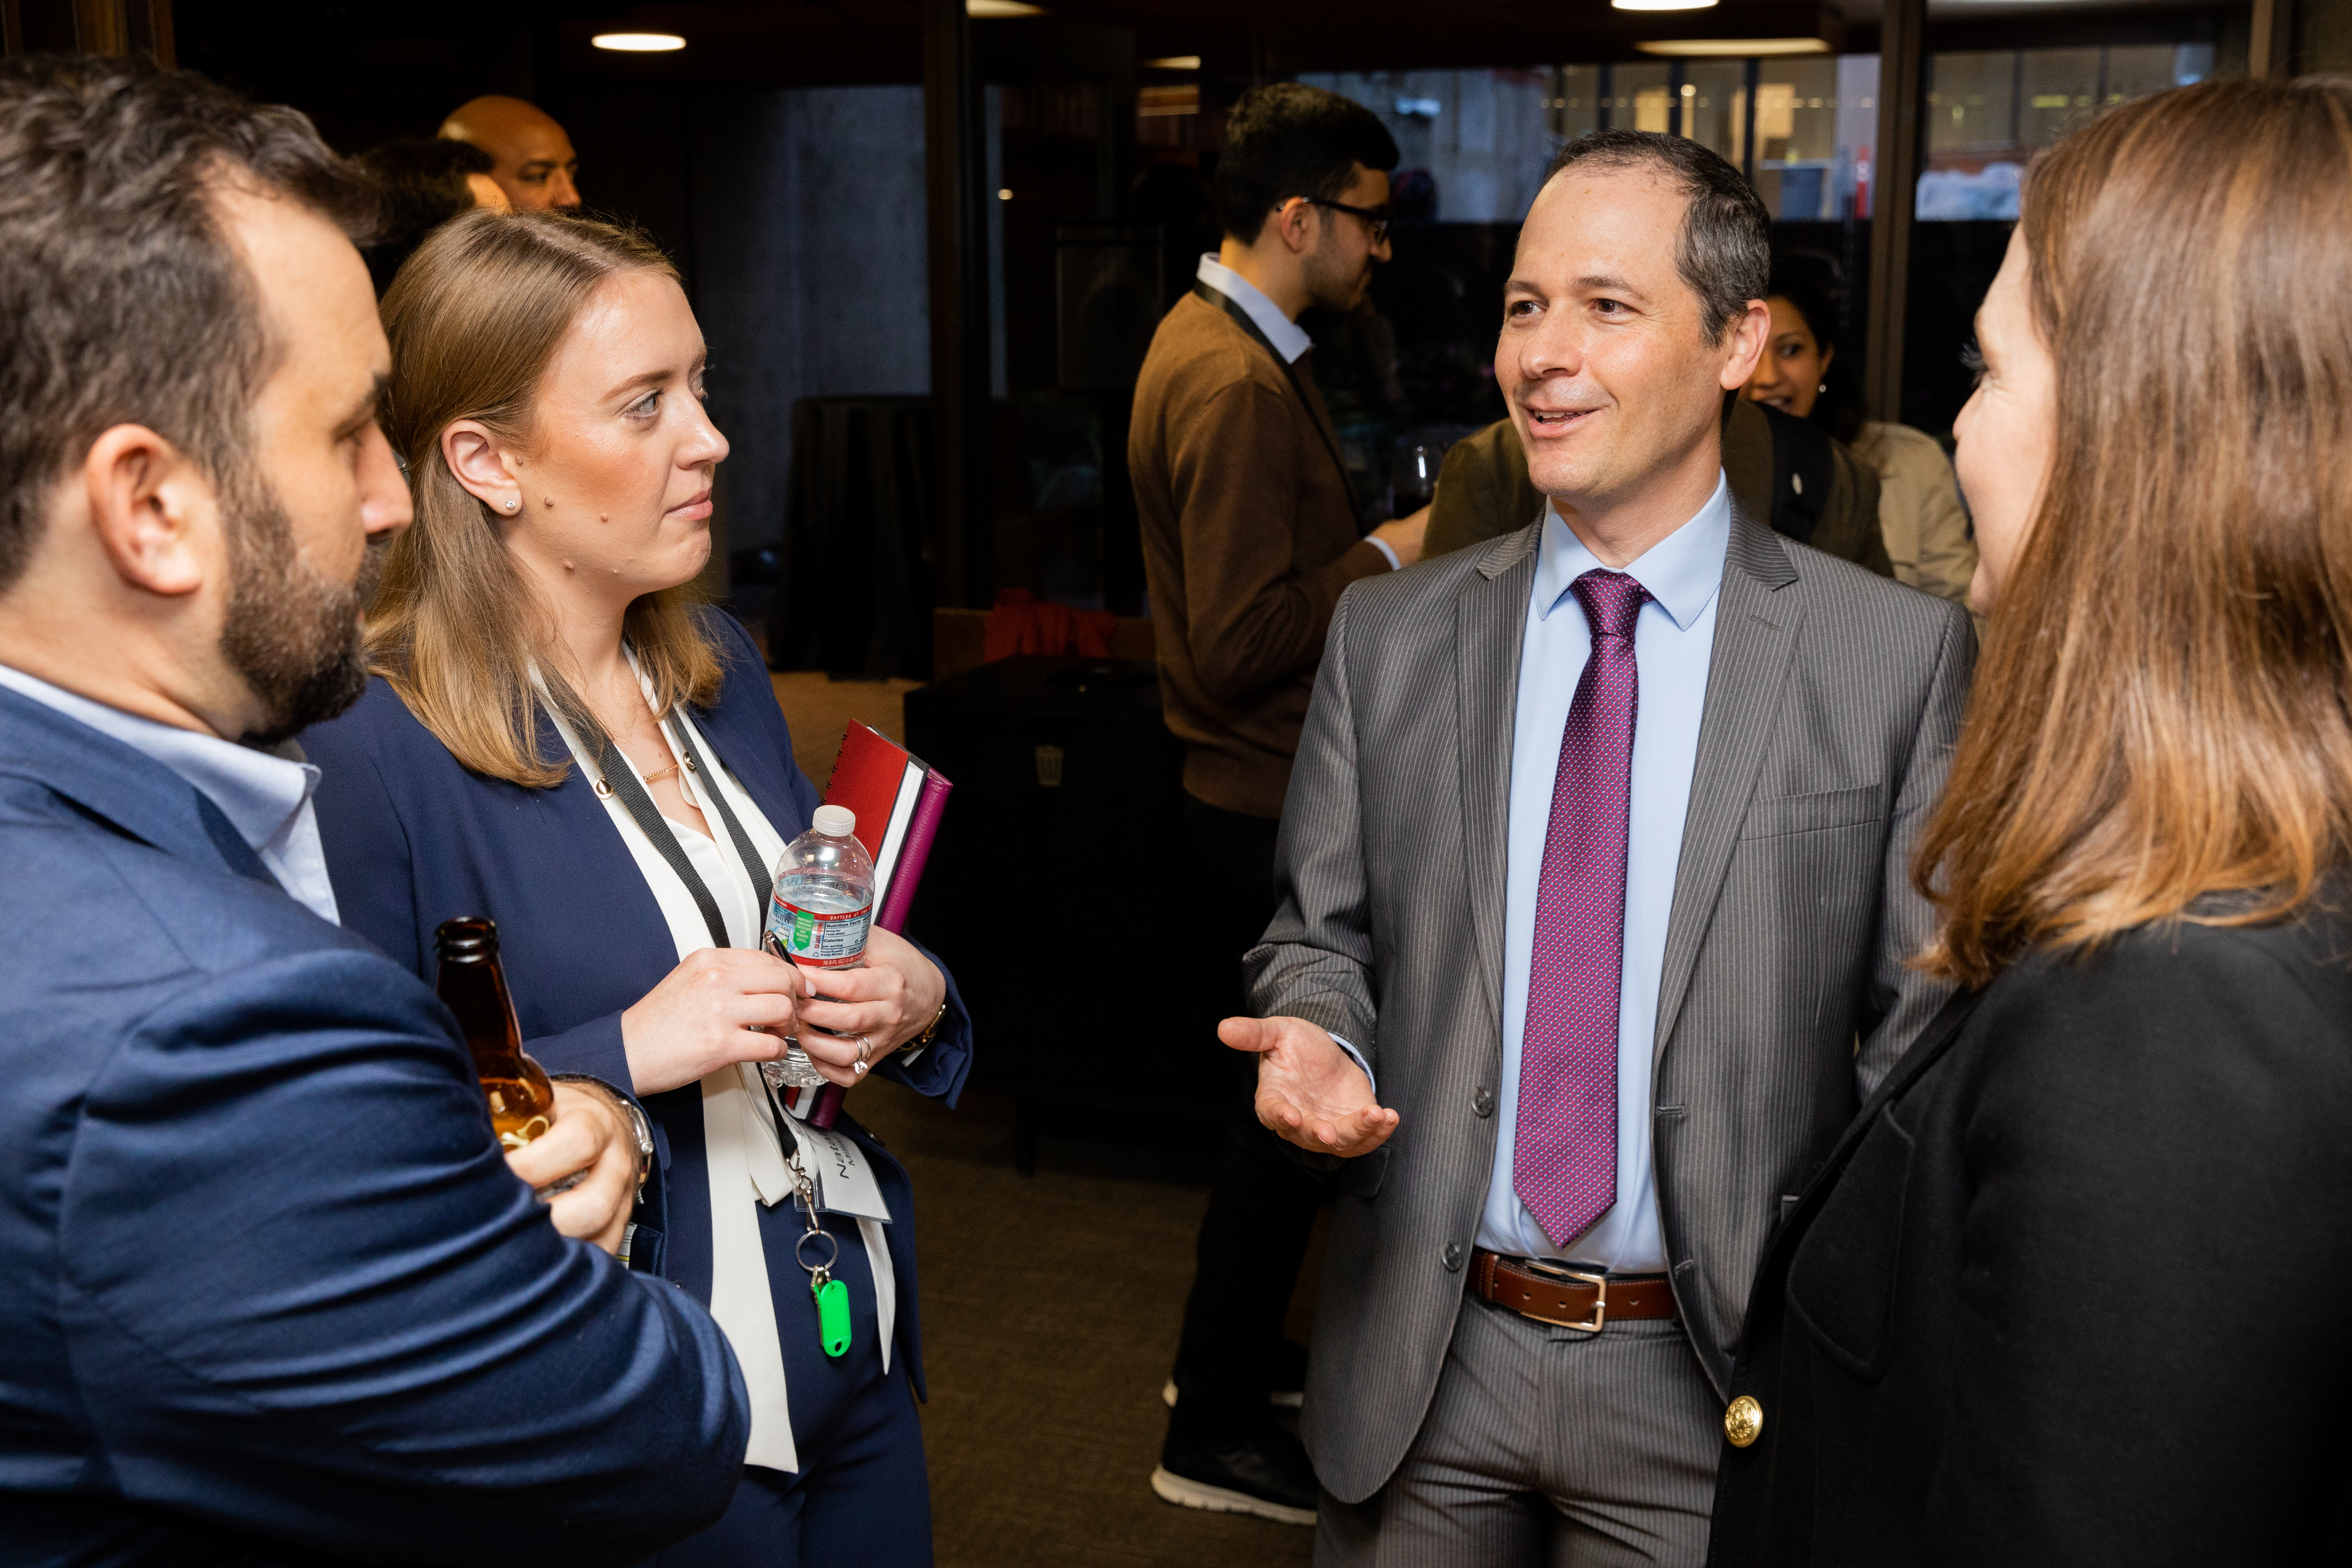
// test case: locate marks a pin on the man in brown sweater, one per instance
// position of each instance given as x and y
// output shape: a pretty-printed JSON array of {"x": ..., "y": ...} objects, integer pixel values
[{"x": 1250, "y": 531}]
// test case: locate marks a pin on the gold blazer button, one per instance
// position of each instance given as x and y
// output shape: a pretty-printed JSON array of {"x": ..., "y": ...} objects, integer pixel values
[{"x": 1743, "y": 1421}]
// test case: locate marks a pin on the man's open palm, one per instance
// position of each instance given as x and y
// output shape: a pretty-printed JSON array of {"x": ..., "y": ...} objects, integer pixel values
[{"x": 1308, "y": 1089}]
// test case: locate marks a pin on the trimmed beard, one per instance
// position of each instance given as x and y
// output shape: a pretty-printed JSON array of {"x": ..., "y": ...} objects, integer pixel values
[{"x": 294, "y": 635}]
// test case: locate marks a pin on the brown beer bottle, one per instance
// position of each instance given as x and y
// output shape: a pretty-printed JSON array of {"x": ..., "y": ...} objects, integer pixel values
[{"x": 471, "y": 984}]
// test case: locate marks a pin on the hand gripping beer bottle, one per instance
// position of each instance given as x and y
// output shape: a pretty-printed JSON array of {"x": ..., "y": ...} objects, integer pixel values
[{"x": 522, "y": 1102}]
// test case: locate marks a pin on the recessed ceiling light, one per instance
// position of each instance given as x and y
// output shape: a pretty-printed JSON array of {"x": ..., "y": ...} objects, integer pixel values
[
  {"x": 1661, "y": 5},
  {"x": 1001, "y": 8},
  {"x": 1735, "y": 49},
  {"x": 1175, "y": 63},
  {"x": 639, "y": 43}
]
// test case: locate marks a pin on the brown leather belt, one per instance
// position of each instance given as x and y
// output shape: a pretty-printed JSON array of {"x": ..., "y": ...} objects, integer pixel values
[{"x": 1568, "y": 1298}]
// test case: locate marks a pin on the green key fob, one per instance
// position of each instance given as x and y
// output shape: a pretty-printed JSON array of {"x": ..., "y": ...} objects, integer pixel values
[{"x": 831, "y": 1316}]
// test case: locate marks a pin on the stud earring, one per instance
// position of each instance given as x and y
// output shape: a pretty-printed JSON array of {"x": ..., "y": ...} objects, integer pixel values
[
  {"x": 1822, "y": 388},
  {"x": 514, "y": 505}
]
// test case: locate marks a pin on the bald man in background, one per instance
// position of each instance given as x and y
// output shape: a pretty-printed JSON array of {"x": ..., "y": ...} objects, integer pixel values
[{"x": 536, "y": 167}]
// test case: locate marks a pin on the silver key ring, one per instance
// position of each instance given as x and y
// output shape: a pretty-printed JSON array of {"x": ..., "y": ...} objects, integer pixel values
[{"x": 809, "y": 1236}]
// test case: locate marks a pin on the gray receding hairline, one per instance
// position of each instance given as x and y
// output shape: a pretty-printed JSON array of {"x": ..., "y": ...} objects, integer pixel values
[{"x": 1723, "y": 248}]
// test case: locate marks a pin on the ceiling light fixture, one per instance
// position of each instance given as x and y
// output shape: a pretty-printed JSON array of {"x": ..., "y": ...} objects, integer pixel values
[
  {"x": 1001, "y": 8},
  {"x": 1175, "y": 63},
  {"x": 639, "y": 43},
  {"x": 1661, "y": 5},
  {"x": 1735, "y": 48}
]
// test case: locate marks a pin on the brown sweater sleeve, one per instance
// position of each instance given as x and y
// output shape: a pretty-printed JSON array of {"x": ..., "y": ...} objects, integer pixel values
[{"x": 1255, "y": 613}]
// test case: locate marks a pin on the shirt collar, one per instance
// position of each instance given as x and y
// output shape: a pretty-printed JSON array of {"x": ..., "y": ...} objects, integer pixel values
[
  {"x": 1680, "y": 572},
  {"x": 1279, "y": 330},
  {"x": 259, "y": 792}
]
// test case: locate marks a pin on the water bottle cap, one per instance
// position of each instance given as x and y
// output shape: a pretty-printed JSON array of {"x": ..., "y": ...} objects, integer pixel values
[{"x": 835, "y": 821}]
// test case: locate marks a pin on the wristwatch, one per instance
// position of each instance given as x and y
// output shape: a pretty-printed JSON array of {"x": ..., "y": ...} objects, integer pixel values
[{"x": 641, "y": 1128}]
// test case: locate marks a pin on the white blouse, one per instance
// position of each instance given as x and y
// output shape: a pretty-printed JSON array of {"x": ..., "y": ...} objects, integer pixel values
[{"x": 743, "y": 1149}]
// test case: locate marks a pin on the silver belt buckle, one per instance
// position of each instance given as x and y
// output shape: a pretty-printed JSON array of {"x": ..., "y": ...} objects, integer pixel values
[{"x": 1599, "y": 1283}]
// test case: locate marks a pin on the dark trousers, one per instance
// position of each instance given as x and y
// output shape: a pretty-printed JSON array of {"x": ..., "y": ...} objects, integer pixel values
[
  {"x": 865, "y": 1498},
  {"x": 862, "y": 1494},
  {"x": 1262, "y": 1203}
]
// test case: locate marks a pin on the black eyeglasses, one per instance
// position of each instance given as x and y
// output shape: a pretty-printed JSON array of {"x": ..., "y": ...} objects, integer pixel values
[{"x": 1375, "y": 218}]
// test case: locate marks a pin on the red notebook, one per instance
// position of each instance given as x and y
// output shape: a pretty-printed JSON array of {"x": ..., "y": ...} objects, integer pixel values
[{"x": 898, "y": 800}]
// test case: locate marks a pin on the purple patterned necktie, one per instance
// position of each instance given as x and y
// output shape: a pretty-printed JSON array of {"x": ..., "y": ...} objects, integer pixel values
[{"x": 1564, "y": 1166}]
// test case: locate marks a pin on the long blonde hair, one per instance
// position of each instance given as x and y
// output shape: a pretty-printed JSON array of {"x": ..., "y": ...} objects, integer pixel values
[
  {"x": 474, "y": 317},
  {"x": 2165, "y": 707}
]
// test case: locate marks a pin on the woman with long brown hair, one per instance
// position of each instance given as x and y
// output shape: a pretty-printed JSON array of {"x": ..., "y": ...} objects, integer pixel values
[
  {"x": 559, "y": 737},
  {"x": 2073, "y": 1289}
]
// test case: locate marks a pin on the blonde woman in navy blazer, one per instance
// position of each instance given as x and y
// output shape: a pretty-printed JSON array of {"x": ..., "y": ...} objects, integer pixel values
[{"x": 538, "y": 664}]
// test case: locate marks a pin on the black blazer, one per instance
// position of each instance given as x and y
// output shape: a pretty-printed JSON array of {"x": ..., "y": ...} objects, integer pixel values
[{"x": 2077, "y": 1286}]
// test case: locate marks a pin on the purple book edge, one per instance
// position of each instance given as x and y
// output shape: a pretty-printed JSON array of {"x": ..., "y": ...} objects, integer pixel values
[
  {"x": 917, "y": 850},
  {"x": 920, "y": 830}
]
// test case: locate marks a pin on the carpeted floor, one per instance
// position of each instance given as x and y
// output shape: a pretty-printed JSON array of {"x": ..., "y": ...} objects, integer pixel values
[
  {"x": 1050, "y": 1310},
  {"x": 1050, "y": 1303}
]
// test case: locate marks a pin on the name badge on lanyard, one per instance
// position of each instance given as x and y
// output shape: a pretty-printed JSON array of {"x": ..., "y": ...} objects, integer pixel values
[{"x": 844, "y": 1180}]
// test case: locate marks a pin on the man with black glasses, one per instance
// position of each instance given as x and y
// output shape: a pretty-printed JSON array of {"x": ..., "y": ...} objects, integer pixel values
[{"x": 1250, "y": 532}]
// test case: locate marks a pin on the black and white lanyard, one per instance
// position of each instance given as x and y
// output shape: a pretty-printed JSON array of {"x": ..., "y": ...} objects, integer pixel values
[{"x": 619, "y": 780}]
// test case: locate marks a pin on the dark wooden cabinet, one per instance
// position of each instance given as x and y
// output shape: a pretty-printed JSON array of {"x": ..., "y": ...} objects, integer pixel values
[{"x": 1052, "y": 892}]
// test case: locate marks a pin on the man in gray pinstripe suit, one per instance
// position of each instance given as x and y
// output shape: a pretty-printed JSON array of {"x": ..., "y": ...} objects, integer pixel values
[{"x": 1596, "y": 905}]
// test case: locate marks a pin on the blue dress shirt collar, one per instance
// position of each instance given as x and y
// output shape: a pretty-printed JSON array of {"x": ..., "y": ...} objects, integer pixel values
[
  {"x": 1681, "y": 572},
  {"x": 265, "y": 796},
  {"x": 1279, "y": 330}
]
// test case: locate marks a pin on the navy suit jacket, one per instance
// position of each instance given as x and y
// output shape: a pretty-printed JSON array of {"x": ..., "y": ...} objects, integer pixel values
[
  {"x": 271, "y": 1293},
  {"x": 412, "y": 838}
]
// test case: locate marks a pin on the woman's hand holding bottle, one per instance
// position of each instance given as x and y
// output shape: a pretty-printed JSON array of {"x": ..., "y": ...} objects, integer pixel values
[
  {"x": 888, "y": 1000},
  {"x": 720, "y": 1005}
]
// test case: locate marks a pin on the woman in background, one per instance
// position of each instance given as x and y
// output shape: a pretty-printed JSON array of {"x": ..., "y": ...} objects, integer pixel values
[
  {"x": 2072, "y": 1289},
  {"x": 560, "y": 739},
  {"x": 1919, "y": 511}
]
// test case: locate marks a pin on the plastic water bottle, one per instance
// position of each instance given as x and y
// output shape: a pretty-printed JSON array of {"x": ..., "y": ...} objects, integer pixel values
[{"x": 818, "y": 915}]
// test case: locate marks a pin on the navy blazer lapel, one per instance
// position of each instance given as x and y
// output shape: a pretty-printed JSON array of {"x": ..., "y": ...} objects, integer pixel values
[
  {"x": 1755, "y": 634},
  {"x": 120, "y": 785},
  {"x": 1489, "y": 626}
]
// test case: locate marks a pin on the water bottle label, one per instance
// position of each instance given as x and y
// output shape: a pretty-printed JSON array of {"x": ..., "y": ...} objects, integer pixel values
[{"x": 818, "y": 940}]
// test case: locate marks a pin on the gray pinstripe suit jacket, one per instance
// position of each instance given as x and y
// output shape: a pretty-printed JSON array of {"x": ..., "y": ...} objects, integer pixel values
[{"x": 1832, "y": 700}]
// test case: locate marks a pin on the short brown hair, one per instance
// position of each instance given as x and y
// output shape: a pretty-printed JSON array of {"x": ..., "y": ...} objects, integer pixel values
[
  {"x": 122, "y": 299},
  {"x": 2165, "y": 708},
  {"x": 474, "y": 318}
]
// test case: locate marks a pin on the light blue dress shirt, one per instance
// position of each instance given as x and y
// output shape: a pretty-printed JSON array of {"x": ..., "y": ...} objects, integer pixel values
[
  {"x": 265, "y": 796},
  {"x": 1284, "y": 333},
  {"x": 1672, "y": 639}
]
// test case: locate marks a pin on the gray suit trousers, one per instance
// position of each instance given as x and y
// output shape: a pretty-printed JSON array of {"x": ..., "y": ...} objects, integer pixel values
[{"x": 1545, "y": 1447}]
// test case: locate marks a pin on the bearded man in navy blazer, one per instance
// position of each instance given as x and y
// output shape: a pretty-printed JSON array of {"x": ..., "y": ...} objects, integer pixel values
[{"x": 273, "y": 1294}]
